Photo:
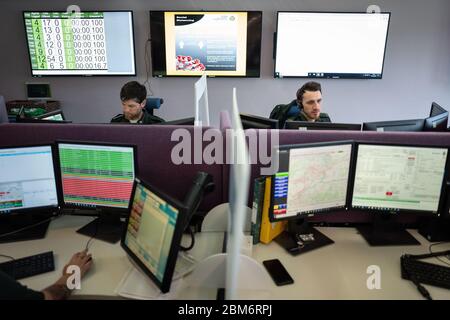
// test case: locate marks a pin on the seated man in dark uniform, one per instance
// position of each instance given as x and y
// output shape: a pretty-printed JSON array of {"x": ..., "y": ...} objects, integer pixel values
[
  {"x": 134, "y": 96},
  {"x": 305, "y": 108}
]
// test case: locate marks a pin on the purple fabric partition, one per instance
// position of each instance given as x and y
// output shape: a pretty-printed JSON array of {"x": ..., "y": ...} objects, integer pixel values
[
  {"x": 298, "y": 137},
  {"x": 154, "y": 148}
]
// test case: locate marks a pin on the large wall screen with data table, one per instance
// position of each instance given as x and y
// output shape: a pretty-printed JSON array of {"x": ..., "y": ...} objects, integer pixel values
[
  {"x": 330, "y": 44},
  {"x": 86, "y": 44},
  {"x": 399, "y": 178},
  {"x": 27, "y": 179}
]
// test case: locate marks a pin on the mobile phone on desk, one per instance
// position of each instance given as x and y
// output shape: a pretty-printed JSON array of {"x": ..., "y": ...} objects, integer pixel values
[{"x": 278, "y": 272}]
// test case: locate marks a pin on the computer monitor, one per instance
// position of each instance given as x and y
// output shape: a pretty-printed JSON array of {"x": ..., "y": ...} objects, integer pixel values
[
  {"x": 181, "y": 122},
  {"x": 28, "y": 192},
  {"x": 397, "y": 178},
  {"x": 56, "y": 115},
  {"x": 311, "y": 179},
  {"x": 436, "y": 123},
  {"x": 153, "y": 233},
  {"x": 38, "y": 91},
  {"x": 436, "y": 109},
  {"x": 3, "y": 111},
  {"x": 97, "y": 176},
  {"x": 306, "y": 126},
  {"x": 33, "y": 120},
  {"x": 250, "y": 121},
  {"x": 397, "y": 125}
]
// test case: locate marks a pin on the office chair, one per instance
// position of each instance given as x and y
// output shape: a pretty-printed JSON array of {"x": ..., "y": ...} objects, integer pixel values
[{"x": 153, "y": 103}]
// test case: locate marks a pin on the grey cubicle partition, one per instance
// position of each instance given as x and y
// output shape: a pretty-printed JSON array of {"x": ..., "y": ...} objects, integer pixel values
[{"x": 154, "y": 148}]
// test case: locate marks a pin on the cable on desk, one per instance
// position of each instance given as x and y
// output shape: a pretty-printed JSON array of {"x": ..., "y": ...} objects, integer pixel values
[
  {"x": 27, "y": 227},
  {"x": 192, "y": 240},
  {"x": 94, "y": 235},
  {"x": 438, "y": 258},
  {"x": 6, "y": 256}
]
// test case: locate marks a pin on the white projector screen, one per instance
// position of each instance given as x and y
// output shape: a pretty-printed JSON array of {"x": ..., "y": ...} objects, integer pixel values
[{"x": 330, "y": 45}]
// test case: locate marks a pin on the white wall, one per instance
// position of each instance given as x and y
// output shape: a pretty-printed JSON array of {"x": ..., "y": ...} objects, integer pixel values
[{"x": 416, "y": 70}]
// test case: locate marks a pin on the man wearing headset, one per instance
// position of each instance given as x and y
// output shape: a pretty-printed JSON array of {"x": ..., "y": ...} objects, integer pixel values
[{"x": 306, "y": 107}]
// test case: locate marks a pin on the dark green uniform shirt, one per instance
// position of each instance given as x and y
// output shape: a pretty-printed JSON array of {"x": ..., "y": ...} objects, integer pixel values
[
  {"x": 10, "y": 289},
  {"x": 146, "y": 118}
]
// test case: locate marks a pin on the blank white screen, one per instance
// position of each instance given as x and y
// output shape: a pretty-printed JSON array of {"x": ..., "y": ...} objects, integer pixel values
[{"x": 337, "y": 43}]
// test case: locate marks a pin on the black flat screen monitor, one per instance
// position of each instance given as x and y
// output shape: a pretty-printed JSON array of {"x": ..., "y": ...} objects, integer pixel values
[
  {"x": 436, "y": 109},
  {"x": 306, "y": 126},
  {"x": 215, "y": 43},
  {"x": 28, "y": 191},
  {"x": 397, "y": 125},
  {"x": 33, "y": 120},
  {"x": 250, "y": 121},
  {"x": 311, "y": 178},
  {"x": 398, "y": 178},
  {"x": 153, "y": 233},
  {"x": 181, "y": 122},
  {"x": 89, "y": 43},
  {"x": 97, "y": 176},
  {"x": 436, "y": 123},
  {"x": 331, "y": 44},
  {"x": 56, "y": 115}
]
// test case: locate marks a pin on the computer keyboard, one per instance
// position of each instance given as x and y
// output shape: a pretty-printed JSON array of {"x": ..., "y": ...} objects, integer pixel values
[
  {"x": 29, "y": 266},
  {"x": 425, "y": 273}
]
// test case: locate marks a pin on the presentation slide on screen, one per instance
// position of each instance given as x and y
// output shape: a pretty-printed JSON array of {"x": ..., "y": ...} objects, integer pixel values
[
  {"x": 213, "y": 43},
  {"x": 94, "y": 43}
]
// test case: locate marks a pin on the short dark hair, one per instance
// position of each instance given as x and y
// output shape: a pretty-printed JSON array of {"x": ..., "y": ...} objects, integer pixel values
[
  {"x": 309, "y": 86},
  {"x": 133, "y": 90}
]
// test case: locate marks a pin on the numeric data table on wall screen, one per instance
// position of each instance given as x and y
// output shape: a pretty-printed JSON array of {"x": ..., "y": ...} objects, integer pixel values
[{"x": 62, "y": 43}]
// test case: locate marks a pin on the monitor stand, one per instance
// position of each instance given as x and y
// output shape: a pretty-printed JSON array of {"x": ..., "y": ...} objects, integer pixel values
[
  {"x": 384, "y": 231},
  {"x": 300, "y": 237},
  {"x": 107, "y": 227},
  {"x": 10, "y": 224}
]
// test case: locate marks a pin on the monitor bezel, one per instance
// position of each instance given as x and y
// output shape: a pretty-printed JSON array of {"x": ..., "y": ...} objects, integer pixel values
[
  {"x": 179, "y": 122},
  {"x": 43, "y": 210},
  {"x": 273, "y": 123},
  {"x": 434, "y": 105},
  {"x": 366, "y": 126},
  {"x": 95, "y": 143},
  {"x": 395, "y": 211},
  {"x": 87, "y": 74},
  {"x": 275, "y": 42},
  {"x": 299, "y": 125},
  {"x": 253, "y": 72},
  {"x": 307, "y": 214},
  {"x": 166, "y": 282}
]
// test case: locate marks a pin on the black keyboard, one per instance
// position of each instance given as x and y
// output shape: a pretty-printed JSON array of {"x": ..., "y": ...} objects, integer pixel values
[
  {"x": 29, "y": 266},
  {"x": 425, "y": 273}
]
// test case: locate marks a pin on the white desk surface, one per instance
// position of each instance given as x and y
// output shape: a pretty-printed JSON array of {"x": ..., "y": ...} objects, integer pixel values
[{"x": 337, "y": 271}]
